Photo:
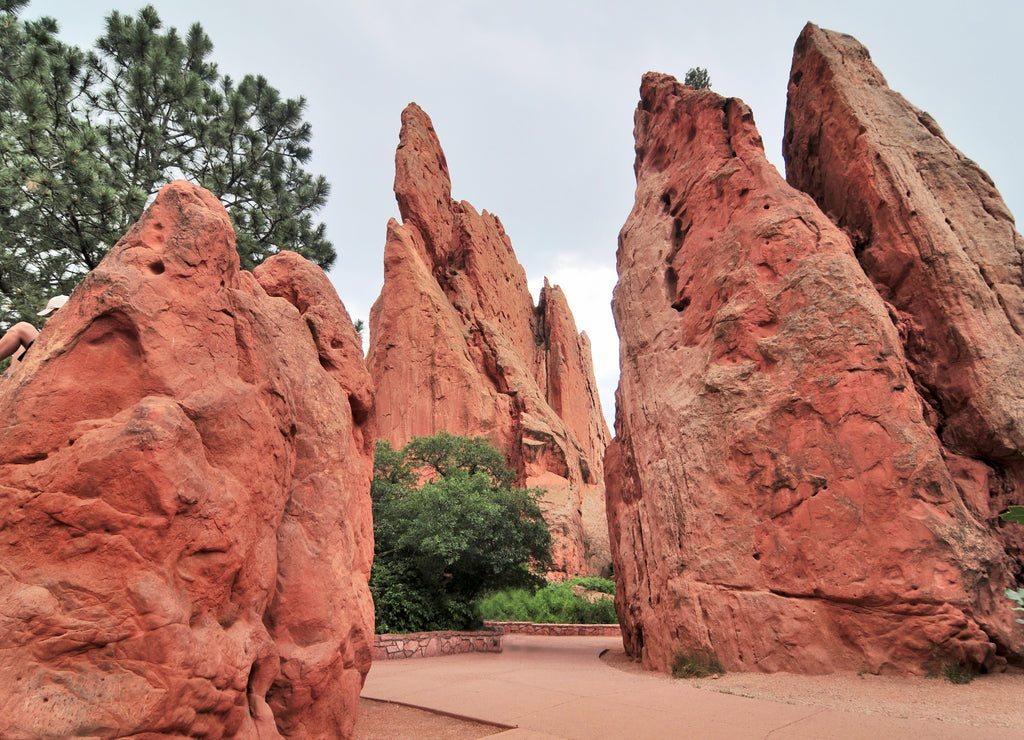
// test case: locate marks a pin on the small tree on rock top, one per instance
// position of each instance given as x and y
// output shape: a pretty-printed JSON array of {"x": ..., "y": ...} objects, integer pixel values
[{"x": 697, "y": 78}]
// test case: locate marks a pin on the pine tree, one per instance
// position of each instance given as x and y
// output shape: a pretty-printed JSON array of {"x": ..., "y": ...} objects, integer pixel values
[
  {"x": 87, "y": 139},
  {"x": 697, "y": 78}
]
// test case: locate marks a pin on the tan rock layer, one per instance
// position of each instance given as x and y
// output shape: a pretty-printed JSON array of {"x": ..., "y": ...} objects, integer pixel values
[
  {"x": 774, "y": 493},
  {"x": 457, "y": 345},
  {"x": 184, "y": 491}
]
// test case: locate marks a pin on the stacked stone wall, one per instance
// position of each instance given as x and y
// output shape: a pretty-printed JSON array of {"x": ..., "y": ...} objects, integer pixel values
[
  {"x": 432, "y": 644},
  {"x": 556, "y": 630}
]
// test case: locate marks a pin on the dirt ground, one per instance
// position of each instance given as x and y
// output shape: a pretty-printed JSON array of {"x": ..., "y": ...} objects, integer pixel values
[
  {"x": 995, "y": 700},
  {"x": 988, "y": 701},
  {"x": 381, "y": 720}
]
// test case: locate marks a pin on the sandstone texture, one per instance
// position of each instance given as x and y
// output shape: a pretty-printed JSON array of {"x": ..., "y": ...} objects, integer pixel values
[
  {"x": 776, "y": 495},
  {"x": 934, "y": 236},
  {"x": 457, "y": 345},
  {"x": 185, "y": 459}
]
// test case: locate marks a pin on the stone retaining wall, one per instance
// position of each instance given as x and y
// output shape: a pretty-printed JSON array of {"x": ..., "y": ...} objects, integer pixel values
[
  {"x": 430, "y": 644},
  {"x": 488, "y": 640},
  {"x": 559, "y": 630}
]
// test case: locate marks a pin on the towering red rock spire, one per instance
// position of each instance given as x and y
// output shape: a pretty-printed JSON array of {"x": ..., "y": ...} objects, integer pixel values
[
  {"x": 774, "y": 492},
  {"x": 184, "y": 485},
  {"x": 934, "y": 236},
  {"x": 457, "y": 345}
]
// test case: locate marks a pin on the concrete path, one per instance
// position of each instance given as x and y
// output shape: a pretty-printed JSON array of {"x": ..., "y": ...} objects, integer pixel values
[{"x": 557, "y": 687}]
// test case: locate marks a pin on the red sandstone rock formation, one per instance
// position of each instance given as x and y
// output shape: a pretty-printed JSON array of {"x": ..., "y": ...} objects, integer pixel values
[
  {"x": 775, "y": 494},
  {"x": 936, "y": 239},
  {"x": 184, "y": 484},
  {"x": 457, "y": 345}
]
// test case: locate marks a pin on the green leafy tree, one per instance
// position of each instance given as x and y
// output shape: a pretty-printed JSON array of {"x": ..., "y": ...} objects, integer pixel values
[
  {"x": 448, "y": 526},
  {"x": 88, "y": 137},
  {"x": 697, "y": 78}
]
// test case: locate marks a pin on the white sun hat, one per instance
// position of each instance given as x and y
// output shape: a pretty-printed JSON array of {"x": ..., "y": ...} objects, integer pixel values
[{"x": 53, "y": 304}]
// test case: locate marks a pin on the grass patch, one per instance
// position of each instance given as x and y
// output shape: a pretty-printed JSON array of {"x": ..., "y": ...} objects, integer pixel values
[
  {"x": 698, "y": 664},
  {"x": 956, "y": 673}
]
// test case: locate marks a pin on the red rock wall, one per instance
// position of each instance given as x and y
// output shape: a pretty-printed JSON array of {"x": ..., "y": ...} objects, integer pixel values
[
  {"x": 184, "y": 486},
  {"x": 933, "y": 234},
  {"x": 457, "y": 345},
  {"x": 775, "y": 494}
]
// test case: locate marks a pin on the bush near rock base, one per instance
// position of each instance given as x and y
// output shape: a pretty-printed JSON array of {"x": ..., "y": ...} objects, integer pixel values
[
  {"x": 696, "y": 664},
  {"x": 956, "y": 673},
  {"x": 448, "y": 526}
]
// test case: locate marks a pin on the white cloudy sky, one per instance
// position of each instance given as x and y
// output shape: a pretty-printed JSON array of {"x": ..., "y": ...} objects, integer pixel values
[{"x": 533, "y": 102}]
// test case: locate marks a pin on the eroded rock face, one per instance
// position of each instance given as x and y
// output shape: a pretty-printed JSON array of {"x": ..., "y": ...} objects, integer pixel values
[
  {"x": 775, "y": 494},
  {"x": 184, "y": 484},
  {"x": 939, "y": 244},
  {"x": 457, "y": 345}
]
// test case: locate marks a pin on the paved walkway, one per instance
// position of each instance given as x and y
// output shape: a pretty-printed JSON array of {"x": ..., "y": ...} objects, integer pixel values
[{"x": 557, "y": 687}]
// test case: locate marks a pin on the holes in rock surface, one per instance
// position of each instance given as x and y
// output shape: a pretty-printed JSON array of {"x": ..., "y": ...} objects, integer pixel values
[
  {"x": 797, "y": 76},
  {"x": 156, "y": 267},
  {"x": 666, "y": 200},
  {"x": 671, "y": 283},
  {"x": 757, "y": 556},
  {"x": 677, "y": 233},
  {"x": 766, "y": 206},
  {"x": 585, "y": 471},
  {"x": 859, "y": 245}
]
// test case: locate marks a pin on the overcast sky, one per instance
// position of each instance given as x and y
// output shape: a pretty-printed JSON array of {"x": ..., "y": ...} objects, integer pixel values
[{"x": 533, "y": 103}]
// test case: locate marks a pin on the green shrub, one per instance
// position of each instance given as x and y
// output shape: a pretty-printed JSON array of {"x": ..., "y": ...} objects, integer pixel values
[
  {"x": 697, "y": 664},
  {"x": 1017, "y": 597},
  {"x": 555, "y": 603},
  {"x": 595, "y": 583},
  {"x": 448, "y": 526},
  {"x": 1013, "y": 514},
  {"x": 956, "y": 673}
]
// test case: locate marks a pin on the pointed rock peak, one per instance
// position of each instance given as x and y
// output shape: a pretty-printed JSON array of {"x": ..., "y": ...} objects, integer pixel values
[
  {"x": 673, "y": 119},
  {"x": 186, "y": 232},
  {"x": 456, "y": 344},
  {"x": 836, "y": 48},
  {"x": 734, "y": 406},
  {"x": 423, "y": 186},
  {"x": 930, "y": 229}
]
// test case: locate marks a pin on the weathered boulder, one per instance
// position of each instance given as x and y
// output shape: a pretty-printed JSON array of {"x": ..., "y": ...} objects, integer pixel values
[
  {"x": 457, "y": 345},
  {"x": 186, "y": 534},
  {"x": 775, "y": 495},
  {"x": 933, "y": 234}
]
